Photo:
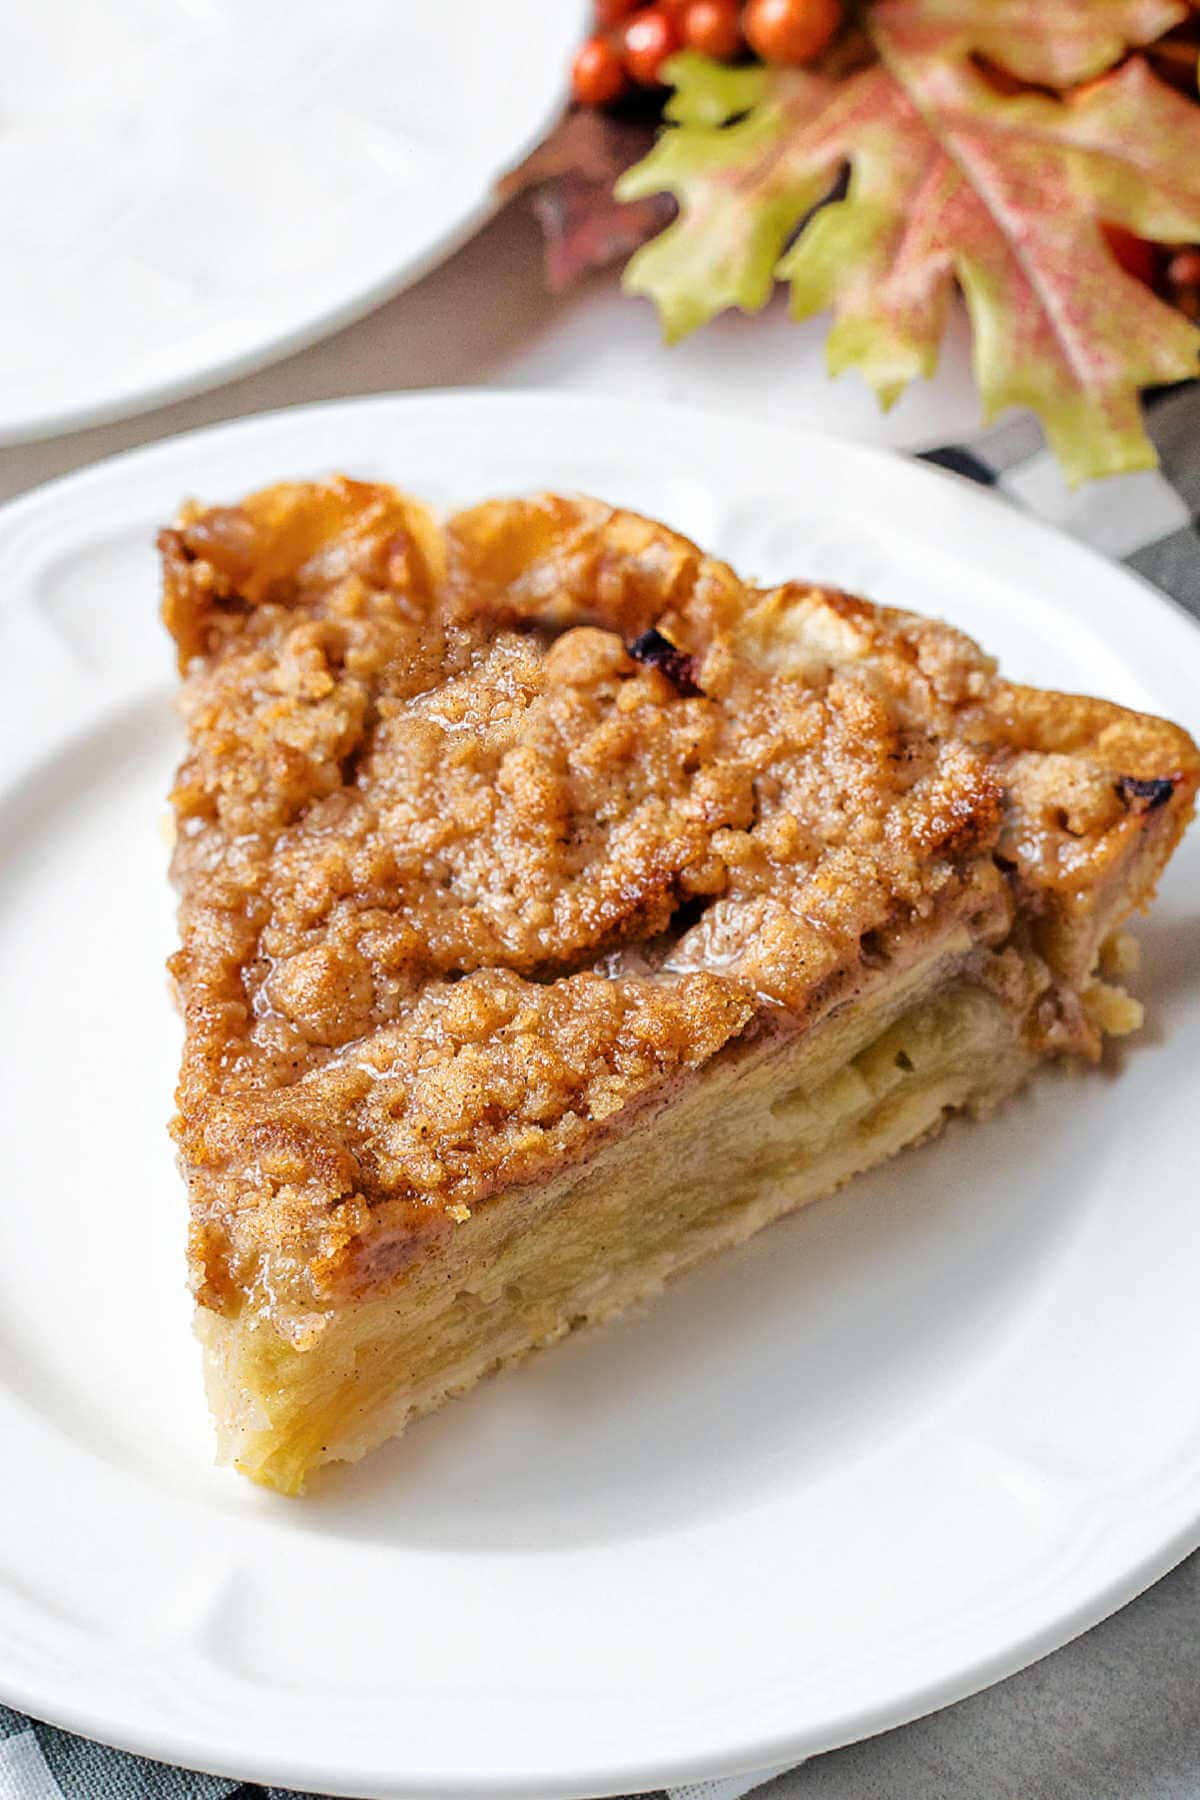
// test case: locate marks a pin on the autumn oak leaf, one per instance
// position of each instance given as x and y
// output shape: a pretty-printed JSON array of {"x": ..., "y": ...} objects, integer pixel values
[
  {"x": 570, "y": 178},
  {"x": 1050, "y": 43},
  {"x": 951, "y": 179}
]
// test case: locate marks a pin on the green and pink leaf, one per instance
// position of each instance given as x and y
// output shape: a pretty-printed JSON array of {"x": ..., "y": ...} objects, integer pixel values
[{"x": 951, "y": 181}]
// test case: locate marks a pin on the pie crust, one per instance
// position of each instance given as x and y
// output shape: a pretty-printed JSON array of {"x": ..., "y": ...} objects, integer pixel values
[{"x": 557, "y": 908}]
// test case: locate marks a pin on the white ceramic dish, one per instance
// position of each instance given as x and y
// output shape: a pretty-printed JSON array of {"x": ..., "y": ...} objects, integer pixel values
[
  {"x": 896, "y": 1448},
  {"x": 189, "y": 188}
]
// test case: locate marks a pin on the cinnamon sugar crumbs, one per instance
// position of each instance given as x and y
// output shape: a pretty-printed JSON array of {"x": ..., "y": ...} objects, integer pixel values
[{"x": 462, "y": 879}]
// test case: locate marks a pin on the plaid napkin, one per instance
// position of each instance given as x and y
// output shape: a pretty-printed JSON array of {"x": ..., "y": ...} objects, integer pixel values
[{"x": 1151, "y": 522}]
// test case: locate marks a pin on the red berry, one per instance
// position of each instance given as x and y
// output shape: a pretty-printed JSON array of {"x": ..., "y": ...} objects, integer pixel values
[
  {"x": 791, "y": 31},
  {"x": 611, "y": 13},
  {"x": 1183, "y": 270},
  {"x": 647, "y": 41},
  {"x": 596, "y": 74},
  {"x": 712, "y": 28}
]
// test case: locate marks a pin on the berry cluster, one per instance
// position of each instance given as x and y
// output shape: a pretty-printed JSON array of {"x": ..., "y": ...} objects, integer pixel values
[{"x": 633, "y": 38}]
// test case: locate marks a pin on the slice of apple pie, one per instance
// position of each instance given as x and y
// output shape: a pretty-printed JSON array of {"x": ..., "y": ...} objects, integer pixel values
[{"x": 557, "y": 909}]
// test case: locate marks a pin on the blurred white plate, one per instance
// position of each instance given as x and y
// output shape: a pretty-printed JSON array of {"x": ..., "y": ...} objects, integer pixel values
[
  {"x": 189, "y": 188},
  {"x": 893, "y": 1449}
]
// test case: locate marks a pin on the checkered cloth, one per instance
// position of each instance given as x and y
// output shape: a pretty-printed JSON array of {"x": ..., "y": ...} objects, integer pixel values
[{"x": 1123, "y": 1702}]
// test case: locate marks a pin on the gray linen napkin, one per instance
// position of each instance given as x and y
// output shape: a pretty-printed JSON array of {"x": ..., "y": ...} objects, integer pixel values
[{"x": 1114, "y": 1716}]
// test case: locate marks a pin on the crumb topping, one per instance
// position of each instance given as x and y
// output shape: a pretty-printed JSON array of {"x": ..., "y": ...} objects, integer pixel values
[{"x": 488, "y": 834}]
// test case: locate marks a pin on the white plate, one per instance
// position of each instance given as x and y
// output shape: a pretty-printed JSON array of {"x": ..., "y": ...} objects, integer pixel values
[
  {"x": 189, "y": 188},
  {"x": 894, "y": 1449}
]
